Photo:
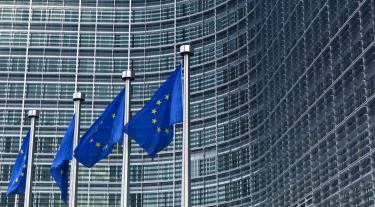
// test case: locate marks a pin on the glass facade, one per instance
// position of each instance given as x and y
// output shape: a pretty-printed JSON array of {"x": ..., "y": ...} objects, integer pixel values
[{"x": 282, "y": 97}]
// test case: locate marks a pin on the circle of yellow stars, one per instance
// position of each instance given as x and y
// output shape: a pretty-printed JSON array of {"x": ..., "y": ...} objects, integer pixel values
[
  {"x": 23, "y": 170},
  {"x": 98, "y": 144},
  {"x": 154, "y": 111}
]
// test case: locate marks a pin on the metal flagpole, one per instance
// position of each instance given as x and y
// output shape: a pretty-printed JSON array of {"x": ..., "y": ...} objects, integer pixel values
[
  {"x": 33, "y": 114},
  {"x": 78, "y": 98},
  {"x": 186, "y": 51},
  {"x": 127, "y": 76}
]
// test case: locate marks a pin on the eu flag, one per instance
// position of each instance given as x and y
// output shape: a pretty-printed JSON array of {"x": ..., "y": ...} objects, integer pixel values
[
  {"x": 107, "y": 130},
  {"x": 152, "y": 126},
  {"x": 18, "y": 178},
  {"x": 60, "y": 165}
]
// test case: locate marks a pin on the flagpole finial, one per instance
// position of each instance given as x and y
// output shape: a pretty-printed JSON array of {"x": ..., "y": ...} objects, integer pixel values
[
  {"x": 33, "y": 113},
  {"x": 78, "y": 96},
  {"x": 186, "y": 49},
  {"x": 127, "y": 74}
]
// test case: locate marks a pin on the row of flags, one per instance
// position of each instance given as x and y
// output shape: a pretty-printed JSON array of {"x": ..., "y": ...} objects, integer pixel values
[{"x": 151, "y": 128}]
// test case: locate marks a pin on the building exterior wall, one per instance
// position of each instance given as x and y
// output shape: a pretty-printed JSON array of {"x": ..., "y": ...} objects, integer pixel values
[{"x": 282, "y": 96}]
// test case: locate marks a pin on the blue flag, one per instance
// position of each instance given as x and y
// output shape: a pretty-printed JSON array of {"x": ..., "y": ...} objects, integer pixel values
[
  {"x": 152, "y": 126},
  {"x": 17, "y": 181},
  {"x": 107, "y": 130},
  {"x": 60, "y": 165}
]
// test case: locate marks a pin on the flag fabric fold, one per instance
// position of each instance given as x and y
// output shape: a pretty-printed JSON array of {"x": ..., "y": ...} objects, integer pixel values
[
  {"x": 106, "y": 131},
  {"x": 17, "y": 181},
  {"x": 152, "y": 126},
  {"x": 60, "y": 165}
]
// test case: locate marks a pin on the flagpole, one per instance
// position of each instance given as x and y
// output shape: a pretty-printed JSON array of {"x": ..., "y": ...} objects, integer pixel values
[
  {"x": 186, "y": 51},
  {"x": 127, "y": 76},
  {"x": 33, "y": 115},
  {"x": 78, "y": 98}
]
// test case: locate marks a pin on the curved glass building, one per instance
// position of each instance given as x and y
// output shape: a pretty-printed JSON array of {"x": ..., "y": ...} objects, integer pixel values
[{"x": 282, "y": 97}]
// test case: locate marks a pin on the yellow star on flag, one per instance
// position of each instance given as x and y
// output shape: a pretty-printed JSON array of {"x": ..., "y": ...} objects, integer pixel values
[
  {"x": 158, "y": 102},
  {"x": 158, "y": 129},
  {"x": 22, "y": 174},
  {"x": 167, "y": 96},
  {"x": 16, "y": 180},
  {"x": 167, "y": 131},
  {"x": 97, "y": 144},
  {"x": 21, "y": 151},
  {"x": 62, "y": 171},
  {"x": 24, "y": 166},
  {"x": 105, "y": 147},
  {"x": 154, "y": 121},
  {"x": 24, "y": 157},
  {"x": 154, "y": 111},
  {"x": 113, "y": 116},
  {"x": 91, "y": 140}
]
